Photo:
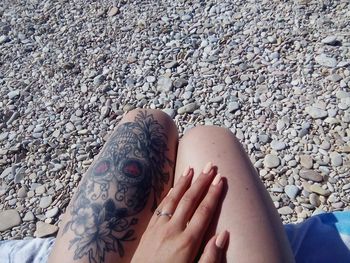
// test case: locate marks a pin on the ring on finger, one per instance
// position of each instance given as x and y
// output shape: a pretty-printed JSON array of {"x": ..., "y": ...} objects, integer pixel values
[{"x": 160, "y": 213}]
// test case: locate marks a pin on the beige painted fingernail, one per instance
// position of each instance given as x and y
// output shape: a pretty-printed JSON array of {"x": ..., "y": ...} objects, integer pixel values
[
  {"x": 216, "y": 179},
  {"x": 187, "y": 171},
  {"x": 207, "y": 167},
  {"x": 169, "y": 191},
  {"x": 221, "y": 239}
]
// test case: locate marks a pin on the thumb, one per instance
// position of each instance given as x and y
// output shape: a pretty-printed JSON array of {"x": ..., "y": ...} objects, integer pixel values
[{"x": 214, "y": 248}]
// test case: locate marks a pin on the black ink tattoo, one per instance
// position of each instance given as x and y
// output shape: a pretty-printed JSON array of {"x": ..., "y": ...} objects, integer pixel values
[{"x": 130, "y": 170}]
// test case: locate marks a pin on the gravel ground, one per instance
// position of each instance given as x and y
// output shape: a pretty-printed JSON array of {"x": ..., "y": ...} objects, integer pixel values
[{"x": 277, "y": 73}]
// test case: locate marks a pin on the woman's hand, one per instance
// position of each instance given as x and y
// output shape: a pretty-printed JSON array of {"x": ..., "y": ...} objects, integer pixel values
[{"x": 175, "y": 232}]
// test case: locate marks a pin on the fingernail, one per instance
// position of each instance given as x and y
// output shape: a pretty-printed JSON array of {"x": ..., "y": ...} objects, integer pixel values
[
  {"x": 221, "y": 239},
  {"x": 187, "y": 171},
  {"x": 169, "y": 191},
  {"x": 207, "y": 167},
  {"x": 216, "y": 179}
]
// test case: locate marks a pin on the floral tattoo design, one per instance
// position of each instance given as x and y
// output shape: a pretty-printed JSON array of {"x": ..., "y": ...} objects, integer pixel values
[{"x": 129, "y": 171}]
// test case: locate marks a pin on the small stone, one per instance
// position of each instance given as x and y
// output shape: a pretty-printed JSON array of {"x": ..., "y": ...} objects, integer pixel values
[
  {"x": 113, "y": 11},
  {"x": 4, "y": 39},
  {"x": 263, "y": 138},
  {"x": 188, "y": 108},
  {"x": 40, "y": 189},
  {"x": 271, "y": 161},
  {"x": 9, "y": 219},
  {"x": 98, "y": 80},
  {"x": 180, "y": 83},
  {"x": 326, "y": 61},
  {"x": 330, "y": 40},
  {"x": 150, "y": 79},
  {"x": 316, "y": 113},
  {"x": 285, "y": 210},
  {"x": 164, "y": 84},
  {"x": 232, "y": 106},
  {"x": 105, "y": 110},
  {"x": 319, "y": 190},
  {"x": 228, "y": 80},
  {"x": 336, "y": 159},
  {"x": 171, "y": 64},
  {"x": 13, "y": 94},
  {"x": 314, "y": 200},
  {"x": 44, "y": 229},
  {"x": 6, "y": 172},
  {"x": 22, "y": 192},
  {"x": 3, "y": 136},
  {"x": 52, "y": 212},
  {"x": 29, "y": 216},
  {"x": 83, "y": 88},
  {"x": 291, "y": 190},
  {"x": 278, "y": 145},
  {"x": 306, "y": 161},
  {"x": 311, "y": 175},
  {"x": 45, "y": 201},
  {"x": 170, "y": 112}
]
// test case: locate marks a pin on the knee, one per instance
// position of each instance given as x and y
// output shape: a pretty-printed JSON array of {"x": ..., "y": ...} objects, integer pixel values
[
  {"x": 155, "y": 116},
  {"x": 205, "y": 133}
]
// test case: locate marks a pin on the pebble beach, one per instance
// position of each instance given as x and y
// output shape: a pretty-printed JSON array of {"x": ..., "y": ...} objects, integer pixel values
[{"x": 276, "y": 73}]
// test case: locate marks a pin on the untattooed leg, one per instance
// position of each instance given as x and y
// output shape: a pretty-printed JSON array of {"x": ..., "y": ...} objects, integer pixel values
[
  {"x": 118, "y": 194},
  {"x": 247, "y": 212}
]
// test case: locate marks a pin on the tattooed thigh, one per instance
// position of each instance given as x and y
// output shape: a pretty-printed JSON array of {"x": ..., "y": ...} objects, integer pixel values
[{"x": 131, "y": 169}]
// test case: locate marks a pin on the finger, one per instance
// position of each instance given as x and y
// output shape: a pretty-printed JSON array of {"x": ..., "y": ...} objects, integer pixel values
[
  {"x": 190, "y": 200},
  {"x": 203, "y": 215},
  {"x": 173, "y": 197},
  {"x": 214, "y": 249}
]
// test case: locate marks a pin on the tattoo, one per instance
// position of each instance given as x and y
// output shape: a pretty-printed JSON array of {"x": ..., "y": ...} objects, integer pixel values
[{"x": 130, "y": 170}]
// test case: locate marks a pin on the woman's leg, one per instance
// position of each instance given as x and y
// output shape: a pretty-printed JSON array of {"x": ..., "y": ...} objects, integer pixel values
[
  {"x": 247, "y": 212},
  {"x": 118, "y": 194}
]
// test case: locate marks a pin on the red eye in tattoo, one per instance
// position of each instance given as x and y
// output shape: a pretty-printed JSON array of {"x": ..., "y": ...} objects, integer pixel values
[{"x": 132, "y": 169}]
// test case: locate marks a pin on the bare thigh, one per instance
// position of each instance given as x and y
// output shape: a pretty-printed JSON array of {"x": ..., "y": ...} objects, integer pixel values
[
  {"x": 247, "y": 212},
  {"x": 118, "y": 194}
]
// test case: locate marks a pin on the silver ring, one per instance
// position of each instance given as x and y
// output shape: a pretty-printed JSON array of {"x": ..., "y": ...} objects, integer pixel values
[{"x": 160, "y": 213}]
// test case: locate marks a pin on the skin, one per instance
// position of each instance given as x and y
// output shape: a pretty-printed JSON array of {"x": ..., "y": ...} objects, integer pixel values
[{"x": 120, "y": 192}]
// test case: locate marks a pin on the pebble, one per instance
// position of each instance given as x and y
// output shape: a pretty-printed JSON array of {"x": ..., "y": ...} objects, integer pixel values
[
  {"x": 232, "y": 106},
  {"x": 285, "y": 210},
  {"x": 311, "y": 175},
  {"x": 165, "y": 84},
  {"x": 13, "y": 94},
  {"x": 314, "y": 200},
  {"x": 188, "y": 108},
  {"x": 22, "y": 192},
  {"x": 9, "y": 219},
  {"x": 316, "y": 113},
  {"x": 4, "y": 39},
  {"x": 52, "y": 212},
  {"x": 326, "y": 61},
  {"x": 45, "y": 201},
  {"x": 306, "y": 161},
  {"x": 271, "y": 161},
  {"x": 29, "y": 216},
  {"x": 44, "y": 229},
  {"x": 278, "y": 145},
  {"x": 336, "y": 159},
  {"x": 329, "y": 40},
  {"x": 113, "y": 11},
  {"x": 180, "y": 83},
  {"x": 319, "y": 190},
  {"x": 292, "y": 191}
]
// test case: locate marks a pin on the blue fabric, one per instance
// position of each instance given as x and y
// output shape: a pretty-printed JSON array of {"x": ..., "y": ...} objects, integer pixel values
[
  {"x": 34, "y": 250},
  {"x": 323, "y": 238}
]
